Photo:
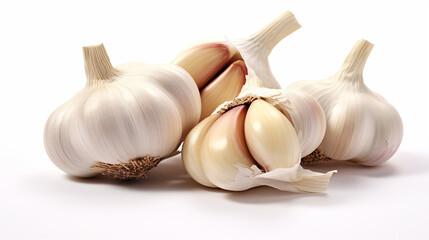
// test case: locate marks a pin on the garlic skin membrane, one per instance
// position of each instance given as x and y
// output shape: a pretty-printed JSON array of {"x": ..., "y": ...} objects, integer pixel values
[
  {"x": 234, "y": 149},
  {"x": 123, "y": 115},
  {"x": 361, "y": 125}
]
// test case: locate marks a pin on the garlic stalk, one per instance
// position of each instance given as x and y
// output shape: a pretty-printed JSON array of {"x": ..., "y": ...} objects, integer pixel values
[
  {"x": 258, "y": 139},
  {"x": 361, "y": 125},
  {"x": 218, "y": 68},
  {"x": 126, "y": 119}
]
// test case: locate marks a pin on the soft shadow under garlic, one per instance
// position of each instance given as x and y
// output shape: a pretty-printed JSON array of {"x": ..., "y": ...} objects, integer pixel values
[
  {"x": 350, "y": 174},
  {"x": 264, "y": 195},
  {"x": 170, "y": 175}
]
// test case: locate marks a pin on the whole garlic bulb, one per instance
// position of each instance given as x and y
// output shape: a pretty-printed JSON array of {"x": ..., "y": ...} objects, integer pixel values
[
  {"x": 124, "y": 121},
  {"x": 218, "y": 67},
  {"x": 258, "y": 139},
  {"x": 361, "y": 125}
]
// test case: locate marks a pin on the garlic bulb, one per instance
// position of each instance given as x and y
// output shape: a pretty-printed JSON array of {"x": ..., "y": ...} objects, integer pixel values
[
  {"x": 218, "y": 68},
  {"x": 361, "y": 125},
  {"x": 258, "y": 139},
  {"x": 125, "y": 120}
]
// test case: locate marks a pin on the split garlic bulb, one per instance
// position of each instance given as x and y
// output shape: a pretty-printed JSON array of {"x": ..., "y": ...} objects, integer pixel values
[
  {"x": 258, "y": 139},
  {"x": 218, "y": 67},
  {"x": 124, "y": 121},
  {"x": 361, "y": 125}
]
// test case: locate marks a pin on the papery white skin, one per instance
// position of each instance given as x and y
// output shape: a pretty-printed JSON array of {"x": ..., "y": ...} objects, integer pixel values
[
  {"x": 361, "y": 125},
  {"x": 181, "y": 92},
  {"x": 122, "y": 113}
]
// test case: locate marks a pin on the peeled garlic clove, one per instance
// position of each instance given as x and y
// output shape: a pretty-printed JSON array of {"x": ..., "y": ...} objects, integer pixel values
[
  {"x": 191, "y": 150},
  {"x": 114, "y": 125},
  {"x": 224, "y": 88},
  {"x": 204, "y": 61},
  {"x": 270, "y": 137},
  {"x": 224, "y": 148},
  {"x": 361, "y": 125}
]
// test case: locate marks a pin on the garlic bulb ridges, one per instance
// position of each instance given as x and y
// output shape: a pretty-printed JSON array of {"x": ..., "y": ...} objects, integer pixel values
[
  {"x": 115, "y": 125},
  {"x": 265, "y": 128},
  {"x": 361, "y": 125},
  {"x": 168, "y": 77},
  {"x": 306, "y": 116}
]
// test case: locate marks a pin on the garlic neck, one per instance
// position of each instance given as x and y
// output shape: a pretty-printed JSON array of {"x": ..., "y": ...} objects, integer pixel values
[
  {"x": 270, "y": 35},
  {"x": 352, "y": 68},
  {"x": 97, "y": 65}
]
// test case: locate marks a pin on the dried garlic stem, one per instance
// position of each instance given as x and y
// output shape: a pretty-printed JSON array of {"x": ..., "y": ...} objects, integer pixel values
[
  {"x": 355, "y": 61},
  {"x": 97, "y": 64},
  {"x": 255, "y": 49},
  {"x": 270, "y": 35}
]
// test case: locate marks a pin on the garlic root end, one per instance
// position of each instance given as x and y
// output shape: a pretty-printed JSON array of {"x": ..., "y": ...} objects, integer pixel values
[
  {"x": 134, "y": 169},
  {"x": 316, "y": 156}
]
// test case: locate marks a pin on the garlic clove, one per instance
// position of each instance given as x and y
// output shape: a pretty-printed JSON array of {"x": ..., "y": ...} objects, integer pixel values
[
  {"x": 204, "y": 61},
  {"x": 192, "y": 147},
  {"x": 224, "y": 148},
  {"x": 270, "y": 137},
  {"x": 224, "y": 88}
]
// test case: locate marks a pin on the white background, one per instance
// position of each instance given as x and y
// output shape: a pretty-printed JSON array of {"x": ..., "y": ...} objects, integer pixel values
[{"x": 42, "y": 66}]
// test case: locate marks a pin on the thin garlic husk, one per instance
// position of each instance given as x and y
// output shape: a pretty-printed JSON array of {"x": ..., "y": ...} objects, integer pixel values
[
  {"x": 256, "y": 140},
  {"x": 125, "y": 120},
  {"x": 361, "y": 125},
  {"x": 210, "y": 63}
]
